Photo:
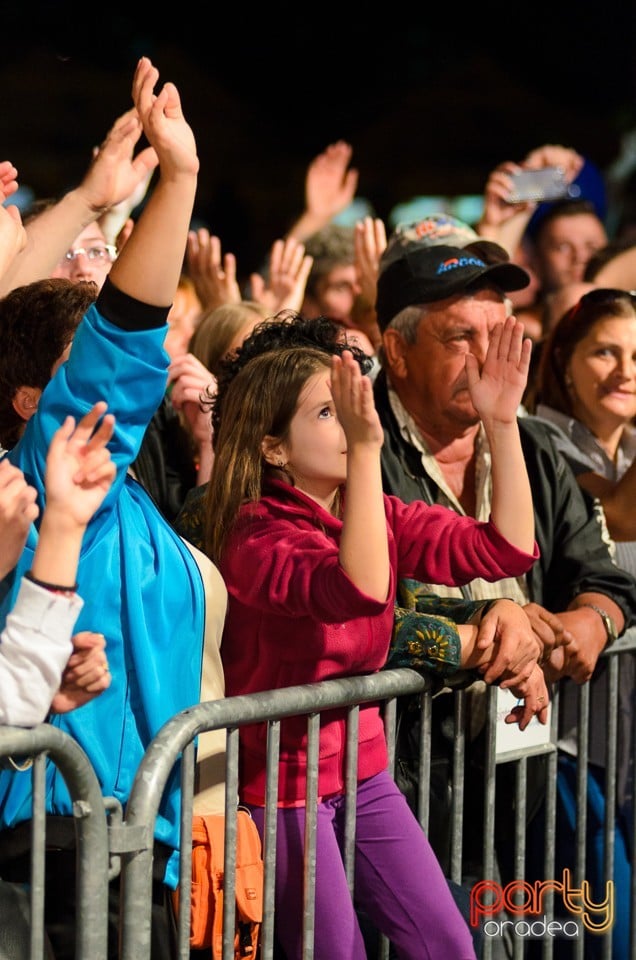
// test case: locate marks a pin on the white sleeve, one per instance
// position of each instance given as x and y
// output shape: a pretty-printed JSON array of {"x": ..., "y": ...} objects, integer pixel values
[{"x": 34, "y": 649}]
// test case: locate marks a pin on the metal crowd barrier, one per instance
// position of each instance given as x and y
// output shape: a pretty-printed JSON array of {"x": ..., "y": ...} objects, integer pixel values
[
  {"x": 550, "y": 946},
  {"x": 130, "y": 840},
  {"x": 19, "y": 746},
  {"x": 175, "y": 741}
]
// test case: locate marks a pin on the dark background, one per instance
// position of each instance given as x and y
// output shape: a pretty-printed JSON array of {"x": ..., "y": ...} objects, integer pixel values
[{"x": 431, "y": 99}]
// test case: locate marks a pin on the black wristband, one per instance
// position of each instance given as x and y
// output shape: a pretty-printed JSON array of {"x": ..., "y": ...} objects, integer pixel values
[{"x": 52, "y": 587}]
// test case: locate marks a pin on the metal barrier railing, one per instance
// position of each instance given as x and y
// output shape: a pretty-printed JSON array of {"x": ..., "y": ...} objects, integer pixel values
[
  {"x": 586, "y": 717},
  {"x": 38, "y": 744},
  {"x": 129, "y": 840},
  {"x": 175, "y": 740}
]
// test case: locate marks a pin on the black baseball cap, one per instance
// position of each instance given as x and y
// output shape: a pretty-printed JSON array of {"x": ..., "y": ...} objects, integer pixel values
[{"x": 426, "y": 274}]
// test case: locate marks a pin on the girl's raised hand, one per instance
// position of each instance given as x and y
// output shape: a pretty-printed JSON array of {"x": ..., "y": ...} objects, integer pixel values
[{"x": 353, "y": 399}]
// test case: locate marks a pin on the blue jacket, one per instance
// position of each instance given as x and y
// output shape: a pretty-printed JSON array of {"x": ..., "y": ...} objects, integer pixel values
[{"x": 141, "y": 586}]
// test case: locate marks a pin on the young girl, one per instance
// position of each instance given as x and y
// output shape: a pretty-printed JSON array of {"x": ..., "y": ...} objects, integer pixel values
[{"x": 311, "y": 571}]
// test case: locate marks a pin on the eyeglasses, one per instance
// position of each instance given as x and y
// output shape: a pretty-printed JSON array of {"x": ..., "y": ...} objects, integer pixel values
[{"x": 98, "y": 253}]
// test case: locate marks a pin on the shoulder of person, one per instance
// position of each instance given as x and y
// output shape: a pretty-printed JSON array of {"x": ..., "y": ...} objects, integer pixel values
[{"x": 543, "y": 432}]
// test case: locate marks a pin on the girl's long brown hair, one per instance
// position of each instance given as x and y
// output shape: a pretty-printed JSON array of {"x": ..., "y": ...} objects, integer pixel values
[{"x": 260, "y": 401}]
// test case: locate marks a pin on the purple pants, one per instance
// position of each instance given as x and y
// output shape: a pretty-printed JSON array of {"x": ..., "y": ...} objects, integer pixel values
[{"x": 398, "y": 881}]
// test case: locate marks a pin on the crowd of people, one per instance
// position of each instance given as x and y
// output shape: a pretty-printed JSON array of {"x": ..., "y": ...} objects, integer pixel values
[{"x": 228, "y": 484}]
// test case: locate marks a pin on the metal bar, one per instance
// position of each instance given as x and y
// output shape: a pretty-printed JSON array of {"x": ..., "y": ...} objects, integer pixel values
[
  {"x": 311, "y": 805},
  {"x": 90, "y": 826}
]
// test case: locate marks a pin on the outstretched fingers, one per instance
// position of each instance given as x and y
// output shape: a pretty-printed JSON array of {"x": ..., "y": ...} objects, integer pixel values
[
  {"x": 85, "y": 427},
  {"x": 144, "y": 80}
]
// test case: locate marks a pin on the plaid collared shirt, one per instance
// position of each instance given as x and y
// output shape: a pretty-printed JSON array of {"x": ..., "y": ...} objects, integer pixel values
[{"x": 512, "y": 587}]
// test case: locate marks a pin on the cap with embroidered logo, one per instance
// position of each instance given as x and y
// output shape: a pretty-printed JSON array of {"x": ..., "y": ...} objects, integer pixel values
[{"x": 425, "y": 274}]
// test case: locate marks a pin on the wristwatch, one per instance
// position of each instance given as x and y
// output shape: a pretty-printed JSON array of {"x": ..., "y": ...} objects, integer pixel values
[{"x": 608, "y": 622}]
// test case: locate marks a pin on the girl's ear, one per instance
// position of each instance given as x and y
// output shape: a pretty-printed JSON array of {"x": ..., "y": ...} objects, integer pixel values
[
  {"x": 272, "y": 451},
  {"x": 25, "y": 401}
]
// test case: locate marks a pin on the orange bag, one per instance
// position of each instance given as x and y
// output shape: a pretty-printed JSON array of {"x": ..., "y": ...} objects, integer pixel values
[{"x": 206, "y": 910}]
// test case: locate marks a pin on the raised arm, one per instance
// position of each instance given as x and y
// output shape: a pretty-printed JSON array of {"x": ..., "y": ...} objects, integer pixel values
[
  {"x": 330, "y": 186},
  {"x": 496, "y": 393},
  {"x": 369, "y": 244},
  {"x": 213, "y": 273},
  {"x": 150, "y": 264},
  {"x": 364, "y": 552},
  {"x": 506, "y": 222},
  {"x": 12, "y": 233},
  {"x": 284, "y": 288},
  {"x": 113, "y": 175}
]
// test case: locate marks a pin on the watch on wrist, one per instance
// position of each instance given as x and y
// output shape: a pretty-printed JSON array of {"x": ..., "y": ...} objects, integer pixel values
[{"x": 608, "y": 622}]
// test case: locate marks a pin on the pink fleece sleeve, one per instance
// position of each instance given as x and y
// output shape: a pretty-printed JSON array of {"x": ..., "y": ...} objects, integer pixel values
[
  {"x": 437, "y": 545},
  {"x": 283, "y": 568}
]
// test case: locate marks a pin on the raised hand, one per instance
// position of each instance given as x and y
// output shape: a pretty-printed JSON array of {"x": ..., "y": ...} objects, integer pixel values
[
  {"x": 18, "y": 510},
  {"x": 79, "y": 470},
  {"x": 369, "y": 240},
  {"x": 496, "y": 210},
  {"x": 213, "y": 275},
  {"x": 116, "y": 174},
  {"x": 163, "y": 122},
  {"x": 353, "y": 399},
  {"x": 289, "y": 269},
  {"x": 330, "y": 184},
  {"x": 192, "y": 386},
  {"x": 363, "y": 551},
  {"x": 191, "y": 383},
  {"x": 86, "y": 674},
  {"x": 497, "y": 389},
  {"x": 369, "y": 244},
  {"x": 505, "y": 222},
  {"x": 150, "y": 263},
  {"x": 13, "y": 237},
  {"x": 555, "y": 155},
  {"x": 8, "y": 180}
]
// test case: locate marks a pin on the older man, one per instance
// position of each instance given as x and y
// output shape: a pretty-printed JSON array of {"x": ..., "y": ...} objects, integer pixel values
[{"x": 435, "y": 304}]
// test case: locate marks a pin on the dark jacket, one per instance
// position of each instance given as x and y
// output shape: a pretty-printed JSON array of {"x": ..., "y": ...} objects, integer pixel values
[
  {"x": 165, "y": 465},
  {"x": 574, "y": 559},
  {"x": 574, "y": 556}
]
